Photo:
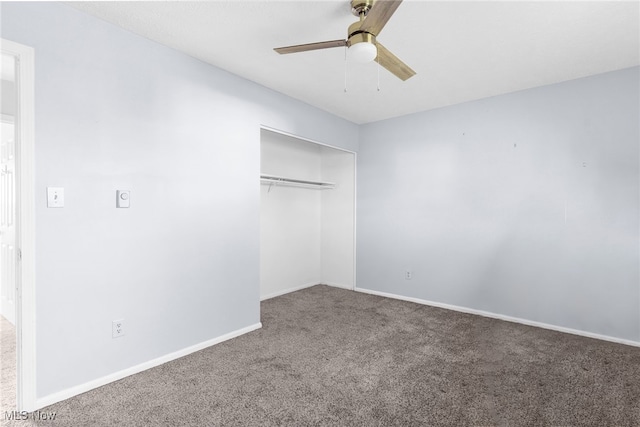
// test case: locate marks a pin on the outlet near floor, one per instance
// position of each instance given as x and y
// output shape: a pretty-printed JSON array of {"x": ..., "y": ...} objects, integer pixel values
[
  {"x": 117, "y": 328},
  {"x": 408, "y": 275}
]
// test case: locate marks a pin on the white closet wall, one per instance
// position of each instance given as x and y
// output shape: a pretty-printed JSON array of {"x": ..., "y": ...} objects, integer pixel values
[
  {"x": 306, "y": 234},
  {"x": 289, "y": 216},
  {"x": 338, "y": 218}
]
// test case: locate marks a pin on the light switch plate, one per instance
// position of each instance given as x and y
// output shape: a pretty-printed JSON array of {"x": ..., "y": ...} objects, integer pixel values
[
  {"x": 123, "y": 198},
  {"x": 55, "y": 197}
]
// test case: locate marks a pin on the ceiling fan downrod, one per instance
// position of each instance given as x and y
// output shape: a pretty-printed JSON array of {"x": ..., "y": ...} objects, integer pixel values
[{"x": 360, "y": 8}]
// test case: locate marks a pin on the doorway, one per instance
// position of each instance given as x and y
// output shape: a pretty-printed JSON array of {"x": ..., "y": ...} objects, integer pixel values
[
  {"x": 307, "y": 214},
  {"x": 17, "y": 287}
]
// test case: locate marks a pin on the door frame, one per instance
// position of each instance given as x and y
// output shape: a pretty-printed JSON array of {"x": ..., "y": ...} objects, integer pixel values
[{"x": 25, "y": 226}]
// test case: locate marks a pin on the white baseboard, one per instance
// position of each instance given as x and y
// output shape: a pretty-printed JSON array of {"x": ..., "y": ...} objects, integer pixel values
[
  {"x": 287, "y": 291},
  {"x": 305, "y": 286},
  {"x": 502, "y": 317},
  {"x": 338, "y": 285},
  {"x": 82, "y": 388}
]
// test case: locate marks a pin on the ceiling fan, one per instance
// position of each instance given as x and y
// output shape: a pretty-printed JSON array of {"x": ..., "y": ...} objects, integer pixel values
[{"x": 361, "y": 37}]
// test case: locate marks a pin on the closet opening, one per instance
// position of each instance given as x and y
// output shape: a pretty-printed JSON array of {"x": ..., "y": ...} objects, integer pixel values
[{"x": 307, "y": 214}]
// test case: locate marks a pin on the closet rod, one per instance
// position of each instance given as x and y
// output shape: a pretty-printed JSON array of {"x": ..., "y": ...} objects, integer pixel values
[{"x": 272, "y": 179}]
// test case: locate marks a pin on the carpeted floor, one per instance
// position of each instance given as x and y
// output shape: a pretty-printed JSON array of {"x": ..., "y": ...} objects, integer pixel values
[
  {"x": 7, "y": 367},
  {"x": 327, "y": 356}
]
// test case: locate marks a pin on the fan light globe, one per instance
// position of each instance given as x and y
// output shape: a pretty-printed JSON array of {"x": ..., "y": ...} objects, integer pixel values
[{"x": 363, "y": 52}]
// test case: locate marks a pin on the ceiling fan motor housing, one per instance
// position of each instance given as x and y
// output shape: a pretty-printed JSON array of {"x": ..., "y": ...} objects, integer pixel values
[{"x": 358, "y": 36}]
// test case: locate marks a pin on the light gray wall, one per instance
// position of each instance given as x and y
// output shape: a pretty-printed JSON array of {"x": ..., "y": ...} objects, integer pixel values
[
  {"x": 472, "y": 198},
  {"x": 8, "y": 100},
  {"x": 181, "y": 266}
]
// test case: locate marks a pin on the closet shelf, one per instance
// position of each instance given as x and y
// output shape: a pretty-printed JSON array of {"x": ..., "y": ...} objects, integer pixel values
[{"x": 279, "y": 180}]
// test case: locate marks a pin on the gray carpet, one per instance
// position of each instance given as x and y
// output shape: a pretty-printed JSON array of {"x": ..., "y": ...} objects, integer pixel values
[
  {"x": 7, "y": 366},
  {"x": 328, "y": 356}
]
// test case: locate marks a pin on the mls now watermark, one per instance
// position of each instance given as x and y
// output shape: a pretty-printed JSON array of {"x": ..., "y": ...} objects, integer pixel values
[{"x": 24, "y": 415}]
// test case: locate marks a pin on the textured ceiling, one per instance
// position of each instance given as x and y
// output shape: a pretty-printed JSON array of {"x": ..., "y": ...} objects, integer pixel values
[{"x": 461, "y": 51}]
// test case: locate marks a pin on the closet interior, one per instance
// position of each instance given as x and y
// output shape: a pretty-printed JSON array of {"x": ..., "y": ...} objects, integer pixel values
[{"x": 307, "y": 215}]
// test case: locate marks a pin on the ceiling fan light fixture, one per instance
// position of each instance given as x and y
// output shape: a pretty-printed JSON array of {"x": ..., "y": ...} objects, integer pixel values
[{"x": 363, "y": 52}]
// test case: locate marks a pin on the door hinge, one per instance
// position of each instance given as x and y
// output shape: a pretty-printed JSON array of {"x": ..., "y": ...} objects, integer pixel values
[{"x": 19, "y": 254}]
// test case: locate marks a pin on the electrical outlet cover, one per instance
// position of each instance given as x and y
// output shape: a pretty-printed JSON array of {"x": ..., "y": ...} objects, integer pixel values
[{"x": 117, "y": 328}]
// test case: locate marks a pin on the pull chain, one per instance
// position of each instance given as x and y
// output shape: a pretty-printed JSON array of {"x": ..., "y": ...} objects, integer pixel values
[
  {"x": 345, "y": 68},
  {"x": 378, "y": 61}
]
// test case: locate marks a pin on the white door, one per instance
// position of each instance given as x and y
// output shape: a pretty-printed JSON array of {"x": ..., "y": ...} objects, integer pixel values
[{"x": 8, "y": 251}]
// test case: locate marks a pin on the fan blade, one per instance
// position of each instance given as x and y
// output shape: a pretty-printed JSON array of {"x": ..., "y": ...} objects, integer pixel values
[
  {"x": 379, "y": 15},
  {"x": 392, "y": 63},
  {"x": 310, "y": 46}
]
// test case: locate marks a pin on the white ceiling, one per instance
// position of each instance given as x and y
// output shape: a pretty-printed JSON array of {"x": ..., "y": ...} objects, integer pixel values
[{"x": 461, "y": 51}]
